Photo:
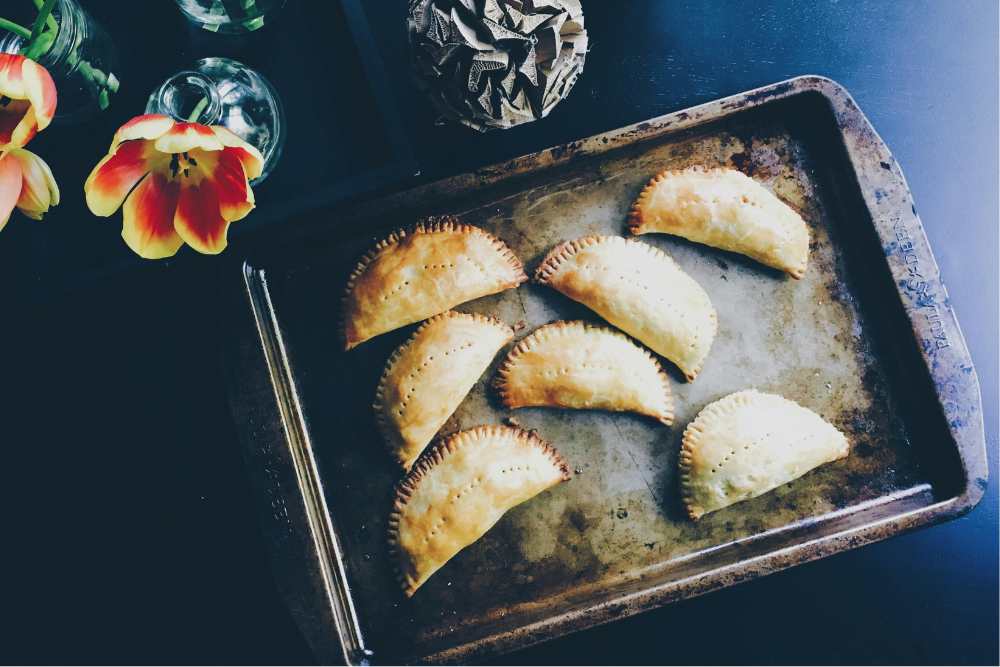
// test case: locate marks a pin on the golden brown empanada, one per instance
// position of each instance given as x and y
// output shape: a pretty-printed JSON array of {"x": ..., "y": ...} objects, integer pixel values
[
  {"x": 412, "y": 275},
  {"x": 430, "y": 374},
  {"x": 459, "y": 489},
  {"x": 727, "y": 209},
  {"x": 748, "y": 443},
  {"x": 579, "y": 365},
  {"x": 640, "y": 290}
]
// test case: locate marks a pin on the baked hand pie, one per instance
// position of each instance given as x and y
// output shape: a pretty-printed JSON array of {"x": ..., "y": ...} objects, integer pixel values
[
  {"x": 726, "y": 209},
  {"x": 640, "y": 290},
  {"x": 748, "y": 443},
  {"x": 579, "y": 365},
  {"x": 459, "y": 489},
  {"x": 428, "y": 376},
  {"x": 414, "y": 274}
]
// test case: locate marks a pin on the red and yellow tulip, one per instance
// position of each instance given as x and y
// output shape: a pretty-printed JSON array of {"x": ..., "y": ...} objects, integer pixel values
[
  {"x": 27, "y": 100},
  {"x": 176, "y": 183},
  {"x": 26, "y": 182}
]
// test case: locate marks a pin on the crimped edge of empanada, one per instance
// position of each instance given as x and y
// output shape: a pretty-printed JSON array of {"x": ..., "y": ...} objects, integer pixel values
[
  {"x": 383, "y": 426},
  {"x": 692, "y": 435},
  {"x": 635, "y": 215},
  {"x": 428, "y": 225},
  {"x": 561, "y": 327},
  {"x": 567, "y": 249},
  {"x": 435, "y": 455},
  {"x": 562, "y": 252}
]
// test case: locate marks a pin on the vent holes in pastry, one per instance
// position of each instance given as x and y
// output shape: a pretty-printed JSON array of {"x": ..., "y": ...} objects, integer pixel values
[
  {"x": 724, "y": 461},
  {"x": 394, "y": 290},
  {"x": 746, "y": 448},
  {"x": 465, "y": 489},
  {"x": 412, "y": 388}
]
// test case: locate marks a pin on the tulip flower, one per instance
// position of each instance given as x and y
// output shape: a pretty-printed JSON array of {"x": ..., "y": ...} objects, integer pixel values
[
  {"x": 27, "y": 100},
  {"x": 176, "y": 182},
  {"x": 27, "y": 183}
]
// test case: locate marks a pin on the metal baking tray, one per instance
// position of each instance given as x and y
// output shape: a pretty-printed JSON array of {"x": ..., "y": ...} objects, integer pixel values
[{"x": 867, "y": 339}]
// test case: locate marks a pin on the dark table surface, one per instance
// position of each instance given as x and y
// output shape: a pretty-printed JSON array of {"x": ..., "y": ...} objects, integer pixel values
[{"x": 131, "y": 533}]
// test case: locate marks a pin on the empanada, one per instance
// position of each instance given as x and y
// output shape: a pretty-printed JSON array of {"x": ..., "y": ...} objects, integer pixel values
[
  {"x": 430, "y": 374},
  {"x": 640, "y": 290},
  {"x": 579, "y": 365},
  {"x": 748, "y": 443},
  {"x": 459, "y": 489},
  {"x": 414, "y": 274},
  {"x": 726, "y": 209}
]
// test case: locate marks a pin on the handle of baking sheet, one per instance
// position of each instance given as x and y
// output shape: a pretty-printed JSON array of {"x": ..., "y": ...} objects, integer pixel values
[
  {"x": 306, "y": 552},
  {"x": 918, "y": 280}
]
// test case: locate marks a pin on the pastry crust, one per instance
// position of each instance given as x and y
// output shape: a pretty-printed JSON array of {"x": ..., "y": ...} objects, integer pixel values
[
  {"x": 459, "y": 489},
  {"x": 579, "y": 365},
  {"x": 429, "y": 375},
  {"x": 726, "y": 209},
  {"x": 640, "y": 290},
  {"x": 748, "y": 443},
  {"x": 414, "y": 274}
]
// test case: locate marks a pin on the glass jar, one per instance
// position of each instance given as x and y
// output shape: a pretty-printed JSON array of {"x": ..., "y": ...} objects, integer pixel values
[
  {"x": 81, "y": 58},
  {"x": 220, "y": 91},
  {"x": 229, "y": 16}
]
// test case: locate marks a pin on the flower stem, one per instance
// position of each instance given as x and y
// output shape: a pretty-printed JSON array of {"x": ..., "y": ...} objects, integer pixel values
[
  {"x": 40, "y": 41},
  {"x": 44, "y": 14},
  {"x": 50, "y": 21},
  {"x": 198, "y": 108},
  {"x": 15, "y": 28}
]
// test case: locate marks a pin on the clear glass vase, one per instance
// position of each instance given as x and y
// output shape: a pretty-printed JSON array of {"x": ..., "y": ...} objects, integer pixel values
[
  {"x": 230, "y": 16},
  {"x": 81, "y": 58},
  {"x": 220, "y": 91}
]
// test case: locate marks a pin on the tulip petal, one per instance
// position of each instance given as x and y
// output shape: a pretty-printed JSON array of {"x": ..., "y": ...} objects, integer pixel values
[
  {"x": 198, "y": 220},
  {"x": 253, "y": 161},
  {"x": 148, "y": 218},
  {"x": 184, "y": 137},
  {"x": 27, "y": 100},
  {"x": 39, "y": 190},
  {"x": 17, "y": 124},
  {"x": 231, "y": 187},
  {"x": 11, "y": 114},
  {"x": 10, "y": 187},
  {"x": 25, "y": 131},
  {"x": 41, "y": 90},
  {"x": 147, "y": 126},
  {"x": 11, "y": 81},
  {"x": 116, "y": 174}
]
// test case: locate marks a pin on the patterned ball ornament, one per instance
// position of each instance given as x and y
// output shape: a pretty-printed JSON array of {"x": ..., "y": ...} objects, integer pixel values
[{"x": 497, "y": 63}]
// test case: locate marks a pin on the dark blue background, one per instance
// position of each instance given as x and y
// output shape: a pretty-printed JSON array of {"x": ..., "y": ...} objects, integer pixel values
[{"x": 130, "y": 531}]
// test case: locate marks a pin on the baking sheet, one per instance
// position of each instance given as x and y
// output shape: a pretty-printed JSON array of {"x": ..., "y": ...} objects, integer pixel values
[{"x": 614, "y": 539}]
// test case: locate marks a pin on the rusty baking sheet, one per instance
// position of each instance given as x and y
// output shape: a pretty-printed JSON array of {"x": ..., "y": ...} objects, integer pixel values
[{"x": 867, "y": 339}]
